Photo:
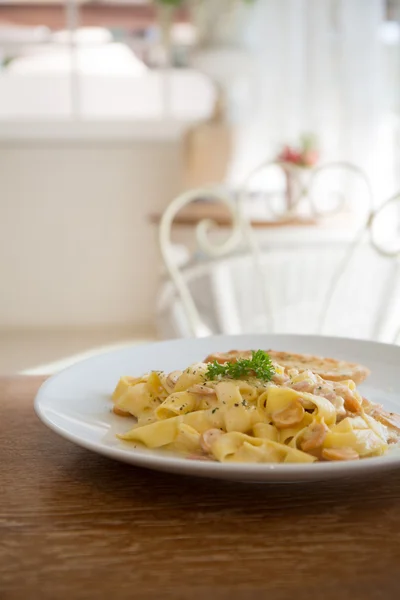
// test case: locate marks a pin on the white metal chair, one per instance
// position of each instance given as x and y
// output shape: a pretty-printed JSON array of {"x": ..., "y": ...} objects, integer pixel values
[{"x": 337, "y": 288}]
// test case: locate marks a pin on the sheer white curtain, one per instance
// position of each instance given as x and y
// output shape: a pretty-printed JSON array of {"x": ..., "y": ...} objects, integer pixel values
[{"x": 320, "y": 66}]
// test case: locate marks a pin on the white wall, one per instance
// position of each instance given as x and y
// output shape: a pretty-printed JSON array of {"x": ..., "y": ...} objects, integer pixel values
[{"x": 75, "y": 246}]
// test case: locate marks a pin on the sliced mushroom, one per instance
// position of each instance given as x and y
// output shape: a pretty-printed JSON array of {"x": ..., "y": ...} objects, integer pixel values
[
  {"x": 325, "y": 391},
  {"x": 203, "y": 390},
  {"x": 351, "y": 402},
  {"x": 306, "y": 385},
  {"x": 344, "y": 453},
  {"x": 352, "y": 405},
  {"x": 314, "y": 437},
  {"x": 289, "y": 416},
  {"x": 171, "y": 380},
  {"x": 121, "y": 413},
  {"x": 280, "y": 378},
  {"x": 208, "y": 438},
  {"x": 307, "y": 404}
]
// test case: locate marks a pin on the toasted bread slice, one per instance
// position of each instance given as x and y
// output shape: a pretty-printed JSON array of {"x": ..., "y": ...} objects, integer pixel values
[
  {"x": 231, "y": 356},
  {"x": 327, "y": 368}
]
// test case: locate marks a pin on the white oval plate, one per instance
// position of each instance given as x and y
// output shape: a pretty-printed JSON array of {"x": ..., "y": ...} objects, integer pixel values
[{"x": 76, "y": 404}]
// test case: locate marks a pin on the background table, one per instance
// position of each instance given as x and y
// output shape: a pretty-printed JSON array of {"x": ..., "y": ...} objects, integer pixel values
[
  {"x": 76, "y": 525},
  {"x": 198, "y": 211}
]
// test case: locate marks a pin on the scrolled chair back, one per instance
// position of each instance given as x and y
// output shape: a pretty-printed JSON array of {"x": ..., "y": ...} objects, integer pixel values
[{"x": 241, "y": 285}]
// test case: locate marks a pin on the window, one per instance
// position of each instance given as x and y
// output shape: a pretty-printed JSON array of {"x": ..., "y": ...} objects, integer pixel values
[{"x": 91, "y": 61}]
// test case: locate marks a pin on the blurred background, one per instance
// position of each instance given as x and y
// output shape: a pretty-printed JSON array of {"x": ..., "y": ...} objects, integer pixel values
[{"x": 111, "y": 108}]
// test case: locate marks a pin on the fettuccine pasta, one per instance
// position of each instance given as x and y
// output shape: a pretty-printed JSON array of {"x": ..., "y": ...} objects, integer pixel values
[{"x": 253, "y": 410}]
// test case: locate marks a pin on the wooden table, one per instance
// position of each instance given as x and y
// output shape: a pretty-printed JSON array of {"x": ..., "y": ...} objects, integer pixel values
[{"x": 78, "y": 526}]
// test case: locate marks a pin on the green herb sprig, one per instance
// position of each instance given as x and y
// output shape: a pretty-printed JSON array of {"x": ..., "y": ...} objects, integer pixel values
[{"x": 259, "y": 366}]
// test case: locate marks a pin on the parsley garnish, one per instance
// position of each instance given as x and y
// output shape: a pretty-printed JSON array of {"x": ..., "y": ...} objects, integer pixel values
[{"x": 259, "y": 365}]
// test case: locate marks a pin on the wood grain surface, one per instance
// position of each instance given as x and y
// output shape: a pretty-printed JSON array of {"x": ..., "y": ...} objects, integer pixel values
[{"x": 76, "y": 525}]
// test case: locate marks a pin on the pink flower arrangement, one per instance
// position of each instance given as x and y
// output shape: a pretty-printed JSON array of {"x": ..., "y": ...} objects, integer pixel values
[{"x": 304, "y": 156}]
